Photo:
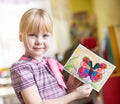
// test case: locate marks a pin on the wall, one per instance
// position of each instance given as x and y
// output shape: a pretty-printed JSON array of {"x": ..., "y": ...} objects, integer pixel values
[
  {"x": 107, "y": 13},
  {"x": 61, "y": 17},
  {"x": 81, "y": 5}
]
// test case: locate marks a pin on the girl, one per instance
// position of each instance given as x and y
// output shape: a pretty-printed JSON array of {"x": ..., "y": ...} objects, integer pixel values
[{"x": 37, "y": 79}]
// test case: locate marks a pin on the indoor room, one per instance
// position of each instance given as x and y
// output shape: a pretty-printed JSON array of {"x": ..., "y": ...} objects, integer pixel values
[{"x": 94, "y": 24}]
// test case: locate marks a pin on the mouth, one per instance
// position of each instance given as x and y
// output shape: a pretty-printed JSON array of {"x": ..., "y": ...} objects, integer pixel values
[{"x": 35, "y": 48}]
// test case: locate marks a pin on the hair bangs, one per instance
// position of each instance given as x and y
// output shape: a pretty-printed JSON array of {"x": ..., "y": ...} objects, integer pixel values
[{"x": 38, "y": 24}]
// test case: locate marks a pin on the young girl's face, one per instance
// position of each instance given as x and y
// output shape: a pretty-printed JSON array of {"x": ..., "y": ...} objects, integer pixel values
[
  {"x": 35, "y": 32},
  {"x": 37, "y": 44}
]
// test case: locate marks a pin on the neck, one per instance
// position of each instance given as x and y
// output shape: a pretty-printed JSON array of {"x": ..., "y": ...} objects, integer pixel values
[{"x": 37, "y": 58}]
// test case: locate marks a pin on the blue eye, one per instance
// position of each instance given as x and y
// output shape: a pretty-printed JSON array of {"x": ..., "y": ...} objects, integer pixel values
[
  {"x": 32, "y": 35},
  {"x": 46, "y": 35}
]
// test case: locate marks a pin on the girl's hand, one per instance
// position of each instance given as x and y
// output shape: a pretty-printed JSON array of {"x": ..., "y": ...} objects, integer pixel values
[
  {"x": 83, "y": 91},
  {"x": 72, "y": 83}
]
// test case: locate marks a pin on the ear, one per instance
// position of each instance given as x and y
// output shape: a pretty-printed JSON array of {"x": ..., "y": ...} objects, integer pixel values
[{"x": 20, "y": 37}]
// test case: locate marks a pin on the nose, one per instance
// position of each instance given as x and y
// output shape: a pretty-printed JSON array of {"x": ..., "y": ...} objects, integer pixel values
[{"x": 39, "y": 41}]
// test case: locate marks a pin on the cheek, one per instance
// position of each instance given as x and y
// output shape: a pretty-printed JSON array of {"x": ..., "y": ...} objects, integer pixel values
[
  {"x": 48, "y": 42},
  {"x": 29, "y": 43}
]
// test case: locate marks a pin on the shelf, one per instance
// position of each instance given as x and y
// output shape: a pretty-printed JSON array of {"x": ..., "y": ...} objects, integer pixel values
[{"x": 5, "y": 81}]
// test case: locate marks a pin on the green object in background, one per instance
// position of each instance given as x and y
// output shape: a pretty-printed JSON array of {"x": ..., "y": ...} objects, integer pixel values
[{"x": 110, "y": 57}]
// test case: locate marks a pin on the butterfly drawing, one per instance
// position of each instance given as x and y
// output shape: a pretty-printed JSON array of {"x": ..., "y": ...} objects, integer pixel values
[{"x": 87, "y": 69}]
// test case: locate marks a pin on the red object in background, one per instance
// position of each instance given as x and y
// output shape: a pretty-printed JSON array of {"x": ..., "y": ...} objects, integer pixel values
[
  {"x": 90, "y": 42},
  {"x": 111, "y": 91}
]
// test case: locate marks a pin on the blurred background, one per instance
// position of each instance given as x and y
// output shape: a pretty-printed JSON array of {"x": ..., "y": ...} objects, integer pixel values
[{"x": 93, "y": 23}]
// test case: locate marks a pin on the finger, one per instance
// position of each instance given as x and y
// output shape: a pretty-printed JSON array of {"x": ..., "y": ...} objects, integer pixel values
[
  {"x": 87, "y": 86},
  {"x": 71, "y": 77}
]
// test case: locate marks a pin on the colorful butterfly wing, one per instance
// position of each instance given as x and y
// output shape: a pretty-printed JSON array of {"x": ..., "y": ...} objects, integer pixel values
[
  {"x": 83, "y": 72},
  {"x": 95, "y": 76},
  {"x": 84, "y": 65},
  {"x": 100, "y": 68}
]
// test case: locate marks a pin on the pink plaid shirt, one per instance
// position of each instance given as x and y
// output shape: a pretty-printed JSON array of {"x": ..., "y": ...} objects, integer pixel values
[{"x": 26, "y": 72}]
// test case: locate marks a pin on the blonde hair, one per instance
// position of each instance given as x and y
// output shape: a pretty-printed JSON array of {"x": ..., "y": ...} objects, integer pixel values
[{"x": 34, "y": 20}]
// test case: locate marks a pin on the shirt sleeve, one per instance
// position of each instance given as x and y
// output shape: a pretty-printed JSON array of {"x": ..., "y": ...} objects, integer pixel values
[{"x": 22, "y": 77}]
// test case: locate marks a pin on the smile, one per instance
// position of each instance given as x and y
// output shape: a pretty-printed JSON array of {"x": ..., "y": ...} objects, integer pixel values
[{"x": 38, "y": 48}]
